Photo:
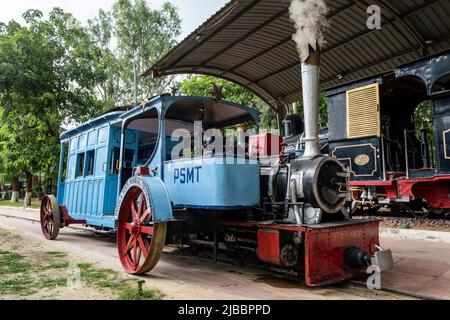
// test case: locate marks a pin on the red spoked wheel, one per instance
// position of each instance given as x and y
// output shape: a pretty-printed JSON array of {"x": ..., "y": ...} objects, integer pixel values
[
  {"x": 139, "y": 240},
  {"x": 50, "y": 217}
]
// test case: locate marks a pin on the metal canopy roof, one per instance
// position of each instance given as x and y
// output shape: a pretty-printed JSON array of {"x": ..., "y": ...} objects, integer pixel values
[{"x": 250, "y": 43}]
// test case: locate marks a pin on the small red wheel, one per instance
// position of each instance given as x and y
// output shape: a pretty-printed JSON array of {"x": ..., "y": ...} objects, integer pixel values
[
  {"x": 139, "y": 240},
  {"x": 50, "y": 217}
]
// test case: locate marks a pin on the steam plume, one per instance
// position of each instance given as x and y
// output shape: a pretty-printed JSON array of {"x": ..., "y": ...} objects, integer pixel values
[{"x": 310, "y": 21}]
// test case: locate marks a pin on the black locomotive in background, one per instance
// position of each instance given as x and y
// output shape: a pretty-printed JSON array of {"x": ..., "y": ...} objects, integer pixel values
[{"x": 394, "y": 159}]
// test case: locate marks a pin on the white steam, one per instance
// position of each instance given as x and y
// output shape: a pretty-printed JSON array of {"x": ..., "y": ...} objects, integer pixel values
[{"x": 310, "y": 21}]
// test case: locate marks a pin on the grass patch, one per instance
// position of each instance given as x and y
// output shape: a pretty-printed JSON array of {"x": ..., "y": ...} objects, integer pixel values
[
  {"x": 35, "y": 204},
  {"x": 59, "y": 265},
  {"x": 12, "y": 263},
  {"x": 26, "y": 271},
  {"x": 102, "y": 278},
  {"x": 131, "y": 293},
  {"x": 405, "y": 225},
  {"x": 20, "y": 285},
  {"x": 84, "y": 266},
  {"x": 108, "y": 278},
  {"x": 51, "y": 283},
  {"x": 56, "y": 254}
]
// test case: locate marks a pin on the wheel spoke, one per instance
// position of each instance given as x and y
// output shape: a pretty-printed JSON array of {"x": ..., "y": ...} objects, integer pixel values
[
  {"x": 128, "y": 226},
  {"x": 49, "y": 207},
  {"x": 146, "y": 216},
  {"x": 129, "y": 244},
  {"x": 147, "y": 230},
  {"x": 143, "y": 246},
  {"x": 139, "y": 255},
  {"x": 133, "y": 210},
  {"x": 135, "y": 253}
]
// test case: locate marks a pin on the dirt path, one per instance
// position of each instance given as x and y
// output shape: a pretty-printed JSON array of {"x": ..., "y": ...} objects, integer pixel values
[
  {"x": 181, "y": 277},
  {"x": 29, "y": 270}
]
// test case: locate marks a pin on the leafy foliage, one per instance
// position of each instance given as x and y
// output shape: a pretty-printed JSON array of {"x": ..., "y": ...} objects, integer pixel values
[
  {"x": 47, "y": 73},
  {"x": 323, "y": 110},
  {"x": 133, "y": 34},
  {"x": 423, "y": 118},
  {"x": 55, "y": 72},
  {"x": 202, "y": 86}
]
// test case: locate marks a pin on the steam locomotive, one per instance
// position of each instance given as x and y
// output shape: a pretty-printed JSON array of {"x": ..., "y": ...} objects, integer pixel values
[{"x": 394, "y": 159}]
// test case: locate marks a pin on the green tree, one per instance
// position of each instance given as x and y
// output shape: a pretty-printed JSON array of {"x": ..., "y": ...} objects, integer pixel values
[
  {"x": 26, "y": 147},
  {"x": 323, "y": 110},
  {"x": 133, "y": 34},
  {"x": 48, "y": 72},
  {"x": 202, "y": 86}
]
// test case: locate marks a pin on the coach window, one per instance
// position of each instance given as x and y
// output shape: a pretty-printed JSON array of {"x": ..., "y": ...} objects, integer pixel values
[
  {"x": 147, "y": 128},
  {"x": 90, "y": 163},
  {"x": 64, "y": 161},
  {"x": 115, "y": 161},
  {"x": 80, "y": 165}
]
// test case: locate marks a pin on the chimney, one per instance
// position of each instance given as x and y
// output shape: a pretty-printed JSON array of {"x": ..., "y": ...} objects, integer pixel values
[{"x": 310, "y": 88}]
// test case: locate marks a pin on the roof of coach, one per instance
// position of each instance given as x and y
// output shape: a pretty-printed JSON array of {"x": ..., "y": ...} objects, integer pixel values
[
  {"x": 164, "y": 102},
  {"x": 110, "y": 118},
  {"x": 189, "y": 109}
]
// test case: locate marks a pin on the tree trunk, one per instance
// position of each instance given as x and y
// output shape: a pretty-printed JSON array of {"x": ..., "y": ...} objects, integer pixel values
[
  {"x": 28, "y": 190},
  {"x": 15, "y": 190}
]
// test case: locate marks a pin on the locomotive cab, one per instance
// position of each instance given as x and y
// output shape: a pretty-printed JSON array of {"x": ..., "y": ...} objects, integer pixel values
[{"x": 394, "y": 159}]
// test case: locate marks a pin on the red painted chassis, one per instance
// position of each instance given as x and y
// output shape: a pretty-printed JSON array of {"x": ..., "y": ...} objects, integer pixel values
[
  {"x": 434, "y": 191},
  {"x": 324, "y": 246}
]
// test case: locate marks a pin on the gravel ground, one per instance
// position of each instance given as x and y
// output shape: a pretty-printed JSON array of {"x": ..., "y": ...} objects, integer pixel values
[{"x": 390, "y": 220}]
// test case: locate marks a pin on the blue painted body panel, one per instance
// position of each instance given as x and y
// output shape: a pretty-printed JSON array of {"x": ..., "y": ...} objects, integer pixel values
[
  {"x": 91, "y": 192},
  {"x": 211, "y": 183}
]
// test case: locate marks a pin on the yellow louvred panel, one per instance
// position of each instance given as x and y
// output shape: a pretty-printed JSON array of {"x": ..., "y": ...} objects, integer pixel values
[{"x": 363, "y": 112}]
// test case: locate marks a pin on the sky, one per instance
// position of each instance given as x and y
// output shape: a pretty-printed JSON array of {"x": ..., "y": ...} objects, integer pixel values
[{"x": 192, "y": 12}]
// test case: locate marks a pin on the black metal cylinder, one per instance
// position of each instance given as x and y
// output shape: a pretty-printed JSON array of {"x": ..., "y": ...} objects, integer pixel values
[
  {"x": 355, "y": 258},
  {"x": 321, "y": 182}
]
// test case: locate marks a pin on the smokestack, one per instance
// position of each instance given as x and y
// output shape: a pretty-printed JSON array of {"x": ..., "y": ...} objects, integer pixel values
[
  {"x": 310, "y": 88},
  {"x": 310, "y": 21}
]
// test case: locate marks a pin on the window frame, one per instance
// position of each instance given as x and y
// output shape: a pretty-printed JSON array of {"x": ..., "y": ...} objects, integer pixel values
[
  {"x": 87, "y": 163},
  {"x": 77, "y": 166}
]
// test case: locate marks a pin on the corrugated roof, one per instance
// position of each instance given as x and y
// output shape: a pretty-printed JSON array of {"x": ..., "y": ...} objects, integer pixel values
[{"x": 250, "y": 42}]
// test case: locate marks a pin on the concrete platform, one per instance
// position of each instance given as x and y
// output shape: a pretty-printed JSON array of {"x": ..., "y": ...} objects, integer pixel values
[{"x": 421, "y": 267}]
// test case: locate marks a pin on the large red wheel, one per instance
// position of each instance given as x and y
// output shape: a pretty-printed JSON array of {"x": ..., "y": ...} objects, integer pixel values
[
  {"x": 50, "y": 217},
  {"x": 139, "y": 240}
]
